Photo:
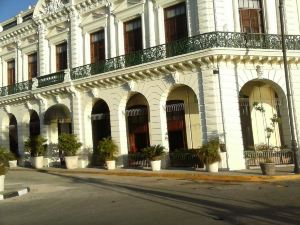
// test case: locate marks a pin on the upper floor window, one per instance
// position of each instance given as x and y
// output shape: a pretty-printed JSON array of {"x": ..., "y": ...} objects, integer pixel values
[
  {"x": 251, "y": 16},
  {"x": 61, "y": 56},
  {"x": 11, "y": 78},
  {"x": 32, "y": 66},
  {"x": 97, "y": 46},
  {"x": 133, "y": 35},
  {"x": 175, "y": 22}
]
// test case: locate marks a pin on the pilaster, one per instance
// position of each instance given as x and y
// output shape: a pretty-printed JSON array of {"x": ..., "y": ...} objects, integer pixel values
[
  {"x": 232, "y": 121},
  {"x": 1, "y": 72},
  {"x": 271, "y": 14},
  {"x": 160, "y": 35}
]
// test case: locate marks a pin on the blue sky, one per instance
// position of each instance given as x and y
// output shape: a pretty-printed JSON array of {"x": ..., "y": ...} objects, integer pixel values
[{"x": 10, "y": 8}]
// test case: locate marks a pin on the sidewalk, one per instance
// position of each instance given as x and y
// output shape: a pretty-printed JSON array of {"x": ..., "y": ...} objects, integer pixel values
[{"x": 253, "y": 175}]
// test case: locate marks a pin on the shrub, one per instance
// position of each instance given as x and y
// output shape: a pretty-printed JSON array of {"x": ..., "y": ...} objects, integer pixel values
[
  {"x": 107, "y": 149},
  {"x": 2, "y": 169},
  {"x": 209, "y": 153},
  {"x": 154, "y": 152},
  {"x": 36, "y": 146},
  {"x": 68, "y": 144},
  {"x": 5, "y": 156}
]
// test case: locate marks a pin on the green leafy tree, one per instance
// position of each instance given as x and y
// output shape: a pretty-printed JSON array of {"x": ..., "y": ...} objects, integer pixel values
[
  {"x": 107, "y": 149},
  {"x": 68, "y": 144}
]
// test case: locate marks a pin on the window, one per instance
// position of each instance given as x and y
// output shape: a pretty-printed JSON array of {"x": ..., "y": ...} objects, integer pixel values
[
  {"x": 61, "y": 56},
  {"x": 175, "y": 22},
  {"x": 133, "y": 35},
  {"x": 97, "y": 46},
  {"x": 11, "y": 79},
  {"x": 251, "y": 16},
  {"x": 32, "y": 66}
]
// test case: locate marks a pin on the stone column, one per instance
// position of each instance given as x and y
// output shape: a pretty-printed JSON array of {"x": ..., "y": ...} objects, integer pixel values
[
  {"x": 150, "y": 25},
  {"x": 76, "y": 113},
  {"x": 43, "y": 56},
  {"x": 160, "y": 24},
  {"x": 120, "y": 37},
  {"x": 271, "y": 14},
  {"x": 75, "y": 39},
  {"x": 111, "y": 34},
  {"x": 236, "y": 16},
  {"x": 18, "y": 63}
]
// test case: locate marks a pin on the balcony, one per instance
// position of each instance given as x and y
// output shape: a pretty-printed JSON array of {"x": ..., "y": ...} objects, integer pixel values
[{"x": 180, "y": 47}]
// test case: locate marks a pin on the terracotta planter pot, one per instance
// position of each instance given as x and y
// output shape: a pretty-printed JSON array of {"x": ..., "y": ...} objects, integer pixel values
[
  {"x": 71, "y": 162},
  {"x": 37, "y": 162},
  {"x": 212, "y": 168},
  {"x": 268, "y": 168},
  {"x": 111, "y": 164},
  {"x": 156, "y": 165}
]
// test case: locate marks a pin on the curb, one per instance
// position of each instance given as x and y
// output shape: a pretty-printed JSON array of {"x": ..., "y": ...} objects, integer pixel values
[
  {"x": 182, "y": 175},
  {"x": 12, "y": 194}
]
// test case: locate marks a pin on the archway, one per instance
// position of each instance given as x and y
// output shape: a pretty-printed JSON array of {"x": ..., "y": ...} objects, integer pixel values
[
  {"x": 58, "y": 117},
  {"x": 263, "y": 115},
  {"x": 34, "y": 124},
  {"x": 137, "y": 114},
  {"x": 100, "y": 119},
  {"x": 13, "y": 135},
  {"x": 183, "y": 120}
]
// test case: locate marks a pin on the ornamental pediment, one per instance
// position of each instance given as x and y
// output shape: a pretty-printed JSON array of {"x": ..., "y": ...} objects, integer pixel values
[{"x": 48, "y": 7}]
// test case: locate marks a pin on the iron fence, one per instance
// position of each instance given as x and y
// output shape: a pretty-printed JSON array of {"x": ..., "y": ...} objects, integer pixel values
[
  {"x": 280, "y": 157},
  {"x": 53, "y": 78}
]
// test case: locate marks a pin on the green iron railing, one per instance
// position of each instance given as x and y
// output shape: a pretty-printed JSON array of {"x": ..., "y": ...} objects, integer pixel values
[
  {"x": 16, "y": 88},
  {"x": 180, "y": 47},
  {"x": 188, "y": 45},
  {"x": 54, "y": 78}
]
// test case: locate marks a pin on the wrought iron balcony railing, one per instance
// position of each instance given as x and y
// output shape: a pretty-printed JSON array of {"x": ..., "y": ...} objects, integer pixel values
[
  {"x": 16, "y": 88},
  {"x": 180, "y": 47},
  {"x": 53, "y": 78},
  {"x": 188, "y": 45}
]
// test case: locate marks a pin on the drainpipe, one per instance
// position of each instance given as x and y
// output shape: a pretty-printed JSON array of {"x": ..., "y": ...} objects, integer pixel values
[
  {"x": 217, "y": 71},
  {"x": 288, "y": 85},
  {"x": 215, "y": 20}
]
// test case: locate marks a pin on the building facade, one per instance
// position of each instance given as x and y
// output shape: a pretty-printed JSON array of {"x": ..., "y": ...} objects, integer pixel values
[{"x": 145, "y": 72}]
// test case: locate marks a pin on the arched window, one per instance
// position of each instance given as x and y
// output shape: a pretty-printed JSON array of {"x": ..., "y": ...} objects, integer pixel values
[{"x": 251, "y": 16}]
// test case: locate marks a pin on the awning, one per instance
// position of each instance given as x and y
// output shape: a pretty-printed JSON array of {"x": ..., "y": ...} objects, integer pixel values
[
  {"x": 136, "y": 112},
  {"x": 175, "y": 107},
  {"x": 58, "y": 112}
]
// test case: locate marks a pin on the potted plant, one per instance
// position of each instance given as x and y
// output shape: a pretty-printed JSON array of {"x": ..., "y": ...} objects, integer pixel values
[
  {"x": 68, "y": 144},
  {"x": 154, "y": 153},
  {"x": 268, "y": 167},
  {"x": 12, "y": 160},
  {"x": 108, "y": 150},
  {"x": 210, "y": 155},
  {"x": 36, "y": 146}
]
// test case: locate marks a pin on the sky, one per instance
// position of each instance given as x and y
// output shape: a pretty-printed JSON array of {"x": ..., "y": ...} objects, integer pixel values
[{"x": 10, "y": 8}]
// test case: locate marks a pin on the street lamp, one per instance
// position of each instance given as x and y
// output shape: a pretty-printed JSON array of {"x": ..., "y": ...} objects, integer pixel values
[{"x": 288, "y": 91}]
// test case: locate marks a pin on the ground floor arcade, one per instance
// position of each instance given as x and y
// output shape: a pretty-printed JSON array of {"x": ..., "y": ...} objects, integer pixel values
[{"x": 181, "y": 109}]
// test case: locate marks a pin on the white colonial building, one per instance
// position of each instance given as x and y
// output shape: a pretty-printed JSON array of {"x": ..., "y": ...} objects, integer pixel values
[{"x": 145, "y": 72}]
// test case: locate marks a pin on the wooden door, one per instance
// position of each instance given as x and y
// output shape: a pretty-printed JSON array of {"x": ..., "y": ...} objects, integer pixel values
[
  {"x": 32, "y": 66},
  {"x": 175, "y": 22},
  {"x": 133, "y": 35},
  {"x": 97, "y": 46},
  {"x": 61, "y": 56},
  {"x": 11, "y": 73}
]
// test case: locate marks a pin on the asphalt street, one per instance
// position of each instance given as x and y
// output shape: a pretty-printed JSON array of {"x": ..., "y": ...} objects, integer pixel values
[{"x": 112, "y": 200}]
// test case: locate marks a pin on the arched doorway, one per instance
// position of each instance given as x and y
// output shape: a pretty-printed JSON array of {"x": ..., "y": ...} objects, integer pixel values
[
  {"x": 137, "y": 123},
  {"x": 183, "y": 119},
  {"x": 13, "y": 135},
  {"x": 59, "y": 118},
  {"x": 260, "y": 103},
  {"x": 100, "y": 122},
  {"x": 34, "y": 124}
]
